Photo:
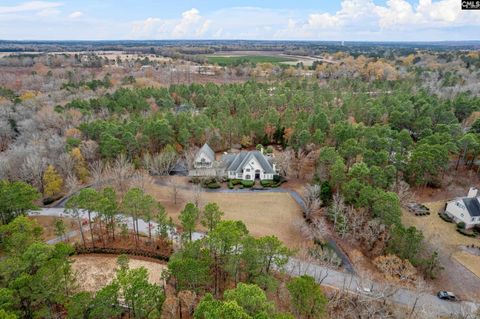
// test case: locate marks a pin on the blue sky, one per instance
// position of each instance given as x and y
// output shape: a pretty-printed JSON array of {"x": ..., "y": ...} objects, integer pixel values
[{"x": 367, "y": 20}]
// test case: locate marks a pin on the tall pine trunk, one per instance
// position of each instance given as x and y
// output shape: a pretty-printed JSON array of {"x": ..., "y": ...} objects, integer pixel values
[
  {"x": 90, "y": 226},
  {"x": 81, "y": 231}
]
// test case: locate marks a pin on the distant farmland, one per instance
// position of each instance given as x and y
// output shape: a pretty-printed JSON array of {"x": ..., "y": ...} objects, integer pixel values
[{"x": 253, "y": 59}]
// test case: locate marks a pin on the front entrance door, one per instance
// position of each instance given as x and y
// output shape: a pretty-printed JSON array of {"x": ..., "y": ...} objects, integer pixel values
[{"x": 257, "y": 174}]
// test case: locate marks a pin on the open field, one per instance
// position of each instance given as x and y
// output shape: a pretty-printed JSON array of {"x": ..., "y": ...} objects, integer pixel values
[
  {"x": 95, "y": 271},
  {"x": 111, "y": 55},
  {"x": 469, "y": 261},
  {"x": 286, "y": 58},
  {"x": 263, "y": 213},
  {"x": 235, "y": 60}
]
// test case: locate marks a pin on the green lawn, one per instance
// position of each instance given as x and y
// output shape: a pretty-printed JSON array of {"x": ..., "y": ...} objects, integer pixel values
[{"x": 237, "y": 60}]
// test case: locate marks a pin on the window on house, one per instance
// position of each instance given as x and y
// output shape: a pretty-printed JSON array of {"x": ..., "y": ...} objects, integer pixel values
[{"x": 248, "y": 169}]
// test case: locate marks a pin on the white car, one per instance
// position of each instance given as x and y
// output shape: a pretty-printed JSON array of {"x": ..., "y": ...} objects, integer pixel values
[{"x": 364, "y": 290}]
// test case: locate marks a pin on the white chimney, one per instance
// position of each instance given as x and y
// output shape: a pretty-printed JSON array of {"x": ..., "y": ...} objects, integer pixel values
[{"x": 472, "y": 192}]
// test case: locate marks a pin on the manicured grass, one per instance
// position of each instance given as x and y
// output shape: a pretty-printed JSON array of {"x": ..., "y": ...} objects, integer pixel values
[
  {"x": 253, "y": 59},
  {"x": 264, "y": 213}
]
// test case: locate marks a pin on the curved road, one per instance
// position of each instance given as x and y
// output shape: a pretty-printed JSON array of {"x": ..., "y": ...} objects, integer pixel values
[{"x": 426, "y": 305}]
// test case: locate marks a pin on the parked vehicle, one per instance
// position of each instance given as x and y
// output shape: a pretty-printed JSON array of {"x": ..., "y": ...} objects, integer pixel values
[{"x": 446, "y": 295}]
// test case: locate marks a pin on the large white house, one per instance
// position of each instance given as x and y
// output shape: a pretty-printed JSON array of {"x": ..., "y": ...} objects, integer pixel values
[
  {"x": 250, "y": 165},
  {"x": 465, "y": 209}
]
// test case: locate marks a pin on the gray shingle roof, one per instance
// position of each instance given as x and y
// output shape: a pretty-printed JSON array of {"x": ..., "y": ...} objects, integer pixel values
[
  {"x": 238, "y": 161},
  {"x": 208, "y": 151},
  {"x": 473, "y": 206}
]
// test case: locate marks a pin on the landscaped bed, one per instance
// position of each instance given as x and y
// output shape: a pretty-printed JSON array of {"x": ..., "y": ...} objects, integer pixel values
[{"x": 96, "y": 271}]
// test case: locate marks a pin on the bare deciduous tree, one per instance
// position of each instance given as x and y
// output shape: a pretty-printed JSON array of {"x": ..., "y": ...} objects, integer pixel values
[
  {"x": 140, "y": 179},
  {"x": 404, "y": 194},
  {"x": 89, "y": 150},
  {"x": 312, "y": 200},
  {"x": 72, "y": 184},
  {"x": 120, "y": 173},
  {"x": 98, "y": 169},
  {"x": 160, "y": 164},
  {"x": 344, "y": 304},
  {"x": 283, "y": 162},
  {"x": 65, "y": 164},
  {"x": 189, "y": 155},
  {"x": 32, "y": 170}
]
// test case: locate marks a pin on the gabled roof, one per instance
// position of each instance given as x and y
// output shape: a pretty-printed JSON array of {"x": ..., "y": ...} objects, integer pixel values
[
  {"x": 473, "y": 206},
  {"x": 207, "y": 151},
  {"x": 238, "y": 162}
]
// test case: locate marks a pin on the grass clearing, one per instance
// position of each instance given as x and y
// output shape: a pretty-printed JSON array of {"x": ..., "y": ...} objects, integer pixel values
[
  {"x": 263, "y": 213},
  {"x": 253, "y": 59},
  {"x": 469, "y": 261},
  {"x": 437, "y": 231},
  {"x": 96, "y": 271}
]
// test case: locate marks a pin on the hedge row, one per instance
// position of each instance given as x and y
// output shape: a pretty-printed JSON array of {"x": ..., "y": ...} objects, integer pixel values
[
  {"x": 270, "y": 183},
  {"x": 119, "y": 251},
  {"x": 466, "y": 232},
  {"x": 445, "y": 217},
  {"x": 213, "y": 185},
  {"x": 247, "y": 183}
]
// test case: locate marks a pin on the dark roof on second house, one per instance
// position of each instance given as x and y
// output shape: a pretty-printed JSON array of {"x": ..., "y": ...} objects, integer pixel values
[
  {"x": 473, "y": 206},
  {"x": 208, "y": 151}
]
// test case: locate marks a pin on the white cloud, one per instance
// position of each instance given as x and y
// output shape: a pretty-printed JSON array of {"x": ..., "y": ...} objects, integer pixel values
[
  {"x": 189, "y": 18},
  {"x": 444, "y": 13},
  {"x": 190, "y": 25},
  {"x": 75, "y": 15},
  {"x": 38, "y": 6},
  {"x": 47, "y": 13},
  {"x": 354, "y": 20},
  {"x": 204, "y": 28},
  {"x": 366, "y": 19}
]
